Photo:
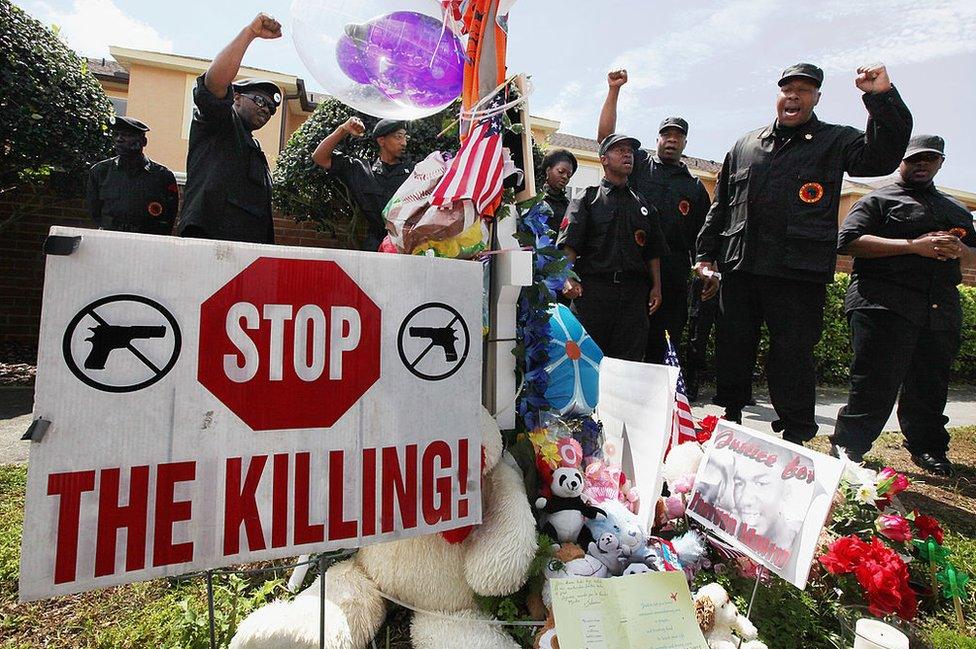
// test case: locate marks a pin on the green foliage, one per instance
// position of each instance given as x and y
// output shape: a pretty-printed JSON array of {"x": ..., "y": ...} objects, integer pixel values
[
  {"x": 307, "y": 193},
  {"x": 234, "y": 598},
  {"x": 53, "y": 113}
]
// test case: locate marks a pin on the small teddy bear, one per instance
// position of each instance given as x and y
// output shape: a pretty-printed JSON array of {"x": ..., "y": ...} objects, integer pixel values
[
  {"x": 718, "y": 617},
  {"x": 608, "y": 551}
]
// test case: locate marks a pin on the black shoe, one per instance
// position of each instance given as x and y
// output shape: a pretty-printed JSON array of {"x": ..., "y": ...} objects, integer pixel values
[
  {"x": 937, "y": 464},
  {"x": 791, "y": 440},
  {"x": 777, "y": 425},
  {"x": 751, "y": 402},
  {"x": 734, "y": 415},
  {"x": 691, "y": 390},
  {"x": 853, "y": 456}
]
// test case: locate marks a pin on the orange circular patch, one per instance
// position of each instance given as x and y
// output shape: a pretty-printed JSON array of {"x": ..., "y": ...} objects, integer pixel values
[
  {"x": 155, "y": 208},
  {"x": 684, "y": 206},
  {"x": 640, "y": 237},
  {"x": 958, "y": 232},
  {"x": 811, "y": 193},
  {"x": 573, "y": 350}
]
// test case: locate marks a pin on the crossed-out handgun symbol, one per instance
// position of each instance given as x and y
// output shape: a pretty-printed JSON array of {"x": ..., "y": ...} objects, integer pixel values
[
  {"x": 443, "y": 337},
  {"x": 106, "y": 338}
]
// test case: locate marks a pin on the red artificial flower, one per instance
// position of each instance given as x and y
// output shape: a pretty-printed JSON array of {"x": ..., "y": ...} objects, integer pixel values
[
  {"x": 926, "y": 526},
  {"x": 843, "y": 555},
  {"x": 894, "y": 527},
  {"x": 891, "y": 483},
  {"x": 884, "y": 577},
  {"x": 705, "y": 428}
]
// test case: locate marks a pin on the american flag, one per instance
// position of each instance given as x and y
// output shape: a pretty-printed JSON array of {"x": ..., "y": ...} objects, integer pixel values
[
  {"x": 683, "y": 422},
  {"x": 476, "y": 171}
]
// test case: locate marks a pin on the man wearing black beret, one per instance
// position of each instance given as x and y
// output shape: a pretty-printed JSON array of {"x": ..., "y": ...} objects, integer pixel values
[
  {"x": 772, "y": 231},
  {"x": 228, "y": 182},
  {"x": 130, "y": 192},
  {"x": 372, "y": 185}
]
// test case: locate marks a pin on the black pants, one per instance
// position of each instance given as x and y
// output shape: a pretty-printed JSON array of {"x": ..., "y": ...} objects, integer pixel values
[
  {"x": 793, "y": 313},
  {"x": 615, "y": 316},
  {"x": 702, "y": 315},
  {"x": 671, "y": 317},
  {"x": 892, "y": 354}
]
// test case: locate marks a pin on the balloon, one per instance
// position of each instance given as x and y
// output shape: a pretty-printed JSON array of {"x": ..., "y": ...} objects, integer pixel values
[
  {"x": 574, "y": 363},
  {"x": 389, "y": 59}
]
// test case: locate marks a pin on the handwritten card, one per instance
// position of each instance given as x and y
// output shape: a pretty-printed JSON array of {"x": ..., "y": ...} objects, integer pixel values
[{"x": 652, "y": 610}]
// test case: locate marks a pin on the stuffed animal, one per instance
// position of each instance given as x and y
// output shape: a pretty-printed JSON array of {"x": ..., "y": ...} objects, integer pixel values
[
  {"x": 564, "y": 513},
  {"x": 618, "y": 520},
  {"x": 569, "y": 562},
  {"x": 607, "y": 550},
  {"x": 681, "y": 466},
  {"x": 718, "y": 617},
  {"x": 546, "y": 637},
  {"x": 438, "y": 578}
]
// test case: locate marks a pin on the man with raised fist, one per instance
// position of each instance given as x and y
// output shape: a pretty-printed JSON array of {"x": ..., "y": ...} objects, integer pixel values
[
  {"x": 228, "y": 182},
  {"x": 772, "y": 231}
]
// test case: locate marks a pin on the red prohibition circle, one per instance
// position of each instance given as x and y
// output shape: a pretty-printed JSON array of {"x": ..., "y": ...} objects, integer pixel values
[{"x": 811, "y": 193}]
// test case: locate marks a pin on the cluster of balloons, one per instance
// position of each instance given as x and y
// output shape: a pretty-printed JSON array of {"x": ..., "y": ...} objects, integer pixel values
[{"x": 388, "y": 59}]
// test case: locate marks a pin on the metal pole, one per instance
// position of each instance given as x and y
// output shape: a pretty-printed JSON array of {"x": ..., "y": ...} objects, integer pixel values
[
  {"x": 210, "y": 610},
  {"x": 752, "y": 599},
  {"x": 322, "y": 601}
]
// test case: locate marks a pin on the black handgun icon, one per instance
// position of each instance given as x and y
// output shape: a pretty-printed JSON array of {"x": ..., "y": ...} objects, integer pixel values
[
  {"x": 443, "y": 337},
  {"x": 106, "y": 338}
]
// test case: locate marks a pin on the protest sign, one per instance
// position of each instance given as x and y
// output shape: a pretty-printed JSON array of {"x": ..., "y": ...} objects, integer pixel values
[
  {"x": 651, "y": 610},
  {"x": 214, "y": 403},
  {"x": 765, "y": 497},
  {"x": 635, "y": 406}
]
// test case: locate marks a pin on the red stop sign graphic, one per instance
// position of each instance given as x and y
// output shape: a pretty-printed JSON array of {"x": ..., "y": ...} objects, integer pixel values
[{"x": 289, "y": 343}]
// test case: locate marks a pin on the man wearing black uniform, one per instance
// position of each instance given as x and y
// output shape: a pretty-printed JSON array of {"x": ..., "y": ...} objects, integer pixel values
[
  {"x": 130, "y": 192},
  {"x": 772, "y": 231},
  {"x": 907, "y": 240},
  {"x": 558, "y": 168},
  {"x": 371, "y": 185},
  {"x": 613, "y": 238},
  {"x": 228, "y": 183}
]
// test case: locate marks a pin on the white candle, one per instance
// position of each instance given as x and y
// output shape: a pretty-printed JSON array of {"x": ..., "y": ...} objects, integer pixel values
[{"x": 875, "y": 634}]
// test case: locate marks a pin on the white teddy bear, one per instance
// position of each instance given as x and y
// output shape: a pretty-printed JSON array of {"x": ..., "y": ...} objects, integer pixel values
[
  {"x": 426, "y": 572},
  {"x": 718, "y": 617}
]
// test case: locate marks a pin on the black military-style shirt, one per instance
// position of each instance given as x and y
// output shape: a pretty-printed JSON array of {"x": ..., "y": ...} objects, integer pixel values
[
  {"x": 775, "y": 207},
  {"x": 371, "y": 185},
  {"x": 920, "y": 289},
  {"x": 228, "y": 183},
  {"x": 612, "y": 229},
  {"x": 132, "y": 198},
  {"x": 558, "y": 202},
  {"x": 682, "y": 202}
]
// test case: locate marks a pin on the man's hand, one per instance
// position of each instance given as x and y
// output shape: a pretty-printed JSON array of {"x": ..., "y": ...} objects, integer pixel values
[
  {"x": 265, "y": 26},
  {"x": 354, "y": 126},
  {"x": 572, "y": 289},
  {"x": 616, "y": 78},
  {"x": 937, "y": 245},
  {"x": 706, "y": 270},
  {"x": 873, "y": 78},
  {"x": 654, "y": 300}
]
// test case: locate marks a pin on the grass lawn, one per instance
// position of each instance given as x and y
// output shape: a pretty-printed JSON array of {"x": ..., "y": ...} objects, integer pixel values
[{"x": 173, "y": 614}]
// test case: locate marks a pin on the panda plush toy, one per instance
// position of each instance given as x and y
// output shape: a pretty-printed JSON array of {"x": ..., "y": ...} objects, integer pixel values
[{"x": 562, "y": 516}]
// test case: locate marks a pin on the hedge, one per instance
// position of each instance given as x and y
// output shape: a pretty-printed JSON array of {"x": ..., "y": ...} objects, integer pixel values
[{"x": 833, "y": 352}]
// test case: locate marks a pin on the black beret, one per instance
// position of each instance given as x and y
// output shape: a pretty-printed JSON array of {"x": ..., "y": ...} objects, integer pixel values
[
  {"x": 269, "y": 87},
  {"x": 131, "y": 124},
  {"x": 805, "y": 70},
  {"x": 387, "y": 126}
]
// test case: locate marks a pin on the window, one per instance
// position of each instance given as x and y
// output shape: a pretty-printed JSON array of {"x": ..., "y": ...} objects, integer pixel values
[{"x": 118, "y": 105}]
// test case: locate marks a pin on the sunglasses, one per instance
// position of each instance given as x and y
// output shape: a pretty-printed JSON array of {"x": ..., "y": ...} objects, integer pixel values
[{"x": 262, "y": 102}]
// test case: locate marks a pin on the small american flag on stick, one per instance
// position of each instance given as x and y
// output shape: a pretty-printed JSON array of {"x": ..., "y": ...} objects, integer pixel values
[
  {"x": 683, "y": 422},
  {"x": 475, "y": 173}
]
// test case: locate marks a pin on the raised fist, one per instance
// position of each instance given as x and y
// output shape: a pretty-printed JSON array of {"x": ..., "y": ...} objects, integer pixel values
[
  {"x": 354, "y": 126},
  {"x": 265, "y": 26},
  {"x": 873, "y": 78},
  {"x": 616, "y": 78}
]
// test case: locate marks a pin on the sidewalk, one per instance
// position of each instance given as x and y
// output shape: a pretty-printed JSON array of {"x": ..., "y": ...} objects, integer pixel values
[{"x": 16, "y": 404}]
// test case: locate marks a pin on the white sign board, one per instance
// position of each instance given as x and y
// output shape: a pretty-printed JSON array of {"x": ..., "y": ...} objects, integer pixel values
[
  {"x": 635, "y": 406},
  {"x": 765, "y": 497},
  {"x": 214, "y": 403}
]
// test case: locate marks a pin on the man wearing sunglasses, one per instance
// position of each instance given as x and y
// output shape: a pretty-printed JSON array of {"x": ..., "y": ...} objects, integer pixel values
[
  {"x": 371, "y": 185},
  {"x": 228, "y": 183}
]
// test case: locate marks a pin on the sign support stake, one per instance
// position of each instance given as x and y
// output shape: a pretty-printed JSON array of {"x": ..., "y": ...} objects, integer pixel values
[
  {"x": 322, "y": 569},
  {"x": 37, "y": 430},
  {"x": 210, "y": 610}
]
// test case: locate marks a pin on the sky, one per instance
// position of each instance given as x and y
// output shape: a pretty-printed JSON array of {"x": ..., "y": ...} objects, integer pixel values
[{"x": 713, "y": 62}]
